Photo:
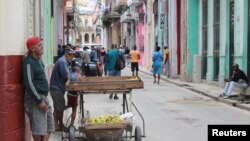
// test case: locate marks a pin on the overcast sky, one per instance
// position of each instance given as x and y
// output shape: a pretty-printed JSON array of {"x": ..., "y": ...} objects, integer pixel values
[{"x": 90, "y": 7}]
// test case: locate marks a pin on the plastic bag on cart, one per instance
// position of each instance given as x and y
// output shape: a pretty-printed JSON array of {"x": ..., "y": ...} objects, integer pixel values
[{"x": 128, "y": 117}]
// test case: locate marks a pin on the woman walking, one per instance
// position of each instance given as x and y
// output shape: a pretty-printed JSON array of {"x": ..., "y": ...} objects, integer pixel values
[{"x": 157, "y": 61}]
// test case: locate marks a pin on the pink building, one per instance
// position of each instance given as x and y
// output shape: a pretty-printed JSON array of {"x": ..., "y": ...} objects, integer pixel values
[{"x": 140, "y": 34}]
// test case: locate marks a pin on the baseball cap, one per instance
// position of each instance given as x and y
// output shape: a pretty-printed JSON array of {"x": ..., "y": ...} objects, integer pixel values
[
  {"x": 31, "y": 41},
  {"x": 70, "y": 51}
]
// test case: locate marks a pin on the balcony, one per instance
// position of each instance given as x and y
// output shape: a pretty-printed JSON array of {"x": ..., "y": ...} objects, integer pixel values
[
  {"x": 120, "y": 6},
  {"x": 134, "y": 3},
  {"x": 110, "y": 15},
  {"x": 128, "y": 17},
  {"x": 69, "y": 7}
]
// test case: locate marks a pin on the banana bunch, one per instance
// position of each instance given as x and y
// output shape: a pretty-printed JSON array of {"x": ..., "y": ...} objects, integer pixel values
[
  {"x": 133, "y": 78},
  {"x": 105, "y": 119}
]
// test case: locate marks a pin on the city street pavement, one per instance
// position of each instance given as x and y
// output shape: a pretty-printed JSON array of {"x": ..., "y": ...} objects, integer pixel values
[
  {"x": 204, "y": 89},
  {"x": 155, "y": 104}
]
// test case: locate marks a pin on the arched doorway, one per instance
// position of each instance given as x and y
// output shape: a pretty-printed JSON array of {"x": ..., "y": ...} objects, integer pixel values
[{"x": 86, "y": 38}]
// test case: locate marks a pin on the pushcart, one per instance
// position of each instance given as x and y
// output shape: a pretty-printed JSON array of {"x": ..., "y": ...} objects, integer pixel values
[{"x": 107, "y": 85}]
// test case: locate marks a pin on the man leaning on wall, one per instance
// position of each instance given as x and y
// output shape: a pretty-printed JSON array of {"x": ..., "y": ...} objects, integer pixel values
[{"x": 36, "y": 104}]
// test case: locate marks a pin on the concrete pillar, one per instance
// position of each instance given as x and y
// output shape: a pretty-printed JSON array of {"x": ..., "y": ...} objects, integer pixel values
[
  {"x": 172, "y": 22},
  {"x": 184, "y": 55},
  {"x": 224, "y": 40},
  {"x": 197, "y": 69},
  {"x": 210, "y": 42},
  {"x": 12, "y": 36}
]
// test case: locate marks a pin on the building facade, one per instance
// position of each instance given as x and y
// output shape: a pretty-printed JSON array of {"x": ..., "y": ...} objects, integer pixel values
[
  {"x": 30, "y": 18},
  {"x": 215, "y": 35}
]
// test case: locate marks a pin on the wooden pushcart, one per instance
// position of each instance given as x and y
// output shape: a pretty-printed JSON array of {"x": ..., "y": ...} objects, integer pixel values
[{"x": 107, "y": 85}]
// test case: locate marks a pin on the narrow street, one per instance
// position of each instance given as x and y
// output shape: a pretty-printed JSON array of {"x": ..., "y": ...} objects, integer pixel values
[
  {"x": 170, "y": 112},
  {"x": 202, "y": 46}
]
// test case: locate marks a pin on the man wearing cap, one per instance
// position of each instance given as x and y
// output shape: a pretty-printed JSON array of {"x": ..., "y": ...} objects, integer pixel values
[
  {"x": 36, "y": 85},
  {"x": 239, "y": 79},
  {"x": 60, "y": 74}
]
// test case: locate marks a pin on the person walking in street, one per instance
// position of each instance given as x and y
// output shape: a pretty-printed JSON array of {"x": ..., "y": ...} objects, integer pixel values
[
  {"x": 157, "y": 61},
  {"x": 36, "y": 85},
  {"x": 60, "y": 51},
  {"x": 60, "y": 74},
  {"x": 105, "y": 62},
  {"x": 166, "y": 61},
  {"x": 72, "y": 96},
  {"x": 126, "y": 55},
  {"x": 134, "y": 56},
  {"x": 103, "y": 53},
  {"x": 115, "y": 56},
  {"x": 85, "y": 55},
  {"x": 239, "y": 79},
  {"x": 93, "y": 54}
]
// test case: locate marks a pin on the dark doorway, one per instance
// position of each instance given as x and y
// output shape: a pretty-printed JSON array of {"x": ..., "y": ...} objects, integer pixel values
[
  {"x": 179, "y": 36},
  {"x": 204, "y": 38},
  {"x": 231, "y": 45},
  {"x": 216, "y": 50}
]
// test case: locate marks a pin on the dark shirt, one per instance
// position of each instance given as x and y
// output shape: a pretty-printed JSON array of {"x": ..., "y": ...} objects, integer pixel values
[
  {"x": 34, "y": 78},
  {"x": 60, "y": 75},
  {"x": 60, "y": 52},
  {"x": 127, "y": 51},
  {"x": 239, "y": 74},
  {"x": 103, "y": 52},
  {"x": 93, "y": 55}
]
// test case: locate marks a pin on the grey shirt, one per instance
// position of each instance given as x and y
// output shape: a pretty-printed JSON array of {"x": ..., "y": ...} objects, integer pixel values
[{"x": 85, "y": 56}]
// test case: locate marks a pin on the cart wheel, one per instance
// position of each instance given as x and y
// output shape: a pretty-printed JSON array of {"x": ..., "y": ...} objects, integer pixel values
[
  {"x": 137, "y": 133},
  {"x": 72, "y": 133}
]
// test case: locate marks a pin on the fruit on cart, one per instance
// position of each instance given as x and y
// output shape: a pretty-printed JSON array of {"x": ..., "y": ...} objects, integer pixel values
[{"x": 105, "y": 119}]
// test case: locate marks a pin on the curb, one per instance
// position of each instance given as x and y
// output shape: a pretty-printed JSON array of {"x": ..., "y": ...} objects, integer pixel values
[{"x": 226, "y": 101}]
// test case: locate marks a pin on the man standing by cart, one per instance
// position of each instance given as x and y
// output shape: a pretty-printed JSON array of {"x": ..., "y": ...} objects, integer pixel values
[
  {"x": 60, "y": 75},
  {"x": 36, "y": 85}
]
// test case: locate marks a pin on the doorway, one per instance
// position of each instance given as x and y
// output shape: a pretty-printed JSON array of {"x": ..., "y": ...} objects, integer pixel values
[{"x": 231, "y": 45}]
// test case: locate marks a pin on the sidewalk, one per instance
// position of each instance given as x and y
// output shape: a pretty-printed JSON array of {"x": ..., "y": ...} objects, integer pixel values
[{"x": 204, "y": 89}]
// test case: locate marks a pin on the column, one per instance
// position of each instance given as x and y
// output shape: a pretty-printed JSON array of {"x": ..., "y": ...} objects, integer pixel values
[{"x": 12, "y": 29}]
